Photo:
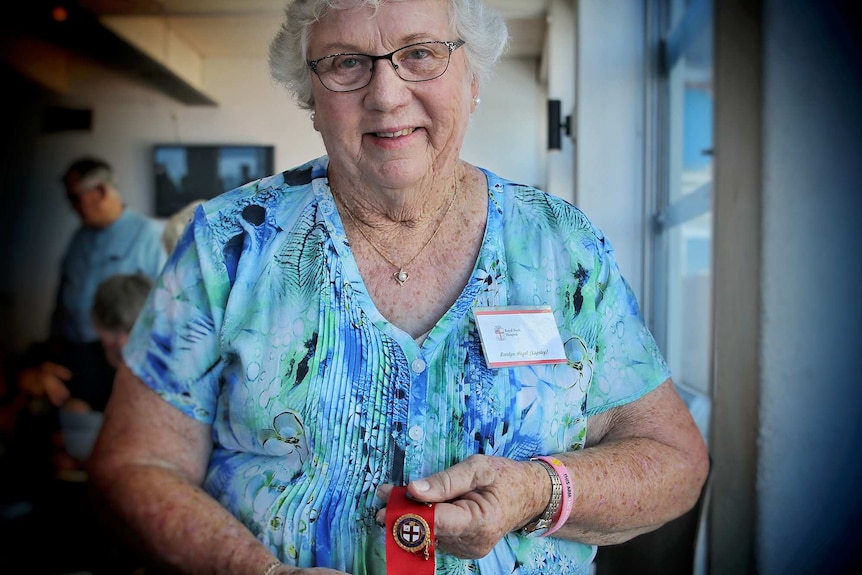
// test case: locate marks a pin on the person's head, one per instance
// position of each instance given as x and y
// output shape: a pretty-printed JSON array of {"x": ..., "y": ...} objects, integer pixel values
[
  {"x": 359, "y": 101},
  {"x": 483, "y": 31},
  {"x": 116, "y": 306},
  {"x": 90, "y": 189}
]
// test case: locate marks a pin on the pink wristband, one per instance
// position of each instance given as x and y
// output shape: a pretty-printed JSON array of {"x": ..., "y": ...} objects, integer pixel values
[{"x": 568, "y": 499}]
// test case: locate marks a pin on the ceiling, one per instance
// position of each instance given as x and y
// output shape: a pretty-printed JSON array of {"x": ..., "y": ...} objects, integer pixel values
[
  {"x": 34, "y": 30},
  {"x": 219, "y": 28}
]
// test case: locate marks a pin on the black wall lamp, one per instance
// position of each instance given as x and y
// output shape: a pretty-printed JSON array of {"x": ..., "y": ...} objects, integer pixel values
[{"x": 556, "y": 124}]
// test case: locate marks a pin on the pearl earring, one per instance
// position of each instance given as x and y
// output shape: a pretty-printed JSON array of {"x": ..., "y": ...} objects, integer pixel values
[
  {"x": 476, "y": 101},
  {"x": 311, "y": 116}
]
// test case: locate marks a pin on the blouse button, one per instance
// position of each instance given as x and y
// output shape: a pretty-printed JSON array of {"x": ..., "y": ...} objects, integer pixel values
[
  {"x": 418, "y": 365},
  {"x": 416, "y": 433}
]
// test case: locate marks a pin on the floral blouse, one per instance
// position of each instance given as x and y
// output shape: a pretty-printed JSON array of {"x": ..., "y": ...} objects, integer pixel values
[{"x": 261, "y": 326}]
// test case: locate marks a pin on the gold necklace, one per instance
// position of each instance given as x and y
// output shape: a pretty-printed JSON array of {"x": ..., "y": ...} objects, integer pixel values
[{"x": 401, "y": 275}]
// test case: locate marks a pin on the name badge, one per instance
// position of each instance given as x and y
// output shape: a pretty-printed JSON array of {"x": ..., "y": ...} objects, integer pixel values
[{"x": 519, "y": 335}]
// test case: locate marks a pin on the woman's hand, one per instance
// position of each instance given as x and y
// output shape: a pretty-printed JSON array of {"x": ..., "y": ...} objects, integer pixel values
[{"x": 479, "y": 501}]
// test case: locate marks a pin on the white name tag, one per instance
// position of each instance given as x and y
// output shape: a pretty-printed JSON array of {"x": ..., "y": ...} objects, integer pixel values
[{"x": 519, "y": 335}]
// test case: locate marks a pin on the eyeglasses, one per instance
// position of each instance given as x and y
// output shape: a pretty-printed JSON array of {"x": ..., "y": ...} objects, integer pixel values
[{"x": 418, "y": 62}]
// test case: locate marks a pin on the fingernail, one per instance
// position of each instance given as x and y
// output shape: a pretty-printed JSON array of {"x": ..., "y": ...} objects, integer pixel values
[{"x": 421, "y": 485}]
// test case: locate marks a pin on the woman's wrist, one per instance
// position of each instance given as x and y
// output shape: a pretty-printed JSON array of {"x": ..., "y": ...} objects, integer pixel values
[
  {"x": 541, "y": 522},
  {"x": 560, "y": 503},
  {"x": 566, "y": 496}
]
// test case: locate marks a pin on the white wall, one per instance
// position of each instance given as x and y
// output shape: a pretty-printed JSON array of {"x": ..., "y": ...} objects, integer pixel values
[
  {"x": 508, "y": 126},
  {"x": 810, "y": 470},
  {"x": 128, "y": 118},
  {"x": 610, "y": 121}
]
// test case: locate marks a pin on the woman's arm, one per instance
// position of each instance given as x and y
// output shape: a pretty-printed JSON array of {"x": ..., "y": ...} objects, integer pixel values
[
  {"x": 644, "y": 464},
  {"x": 146, "y": 471}
]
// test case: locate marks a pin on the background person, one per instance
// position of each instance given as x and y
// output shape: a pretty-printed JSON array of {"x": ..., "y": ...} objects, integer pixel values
[
  {"x": 111, "y": 240},
  {"x": 116, "y": 306},
  {"x": 312, "y": 341}
]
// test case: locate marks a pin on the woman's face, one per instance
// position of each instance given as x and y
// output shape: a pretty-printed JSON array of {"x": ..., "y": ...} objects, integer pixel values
[{"x": 392, "y": 133}]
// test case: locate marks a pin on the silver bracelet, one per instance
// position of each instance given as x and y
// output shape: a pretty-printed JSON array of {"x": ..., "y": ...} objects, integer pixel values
[
  {"x": 270, "y": 569},
  {"x": 540, "y": 525}
]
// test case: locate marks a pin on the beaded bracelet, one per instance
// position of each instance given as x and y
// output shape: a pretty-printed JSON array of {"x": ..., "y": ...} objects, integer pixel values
[
  {"x": 270, "y": 569},
  {"x": 568, "y": 499}
]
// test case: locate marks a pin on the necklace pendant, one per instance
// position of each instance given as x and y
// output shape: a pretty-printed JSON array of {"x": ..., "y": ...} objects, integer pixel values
[{"x": 401, "y": 276}]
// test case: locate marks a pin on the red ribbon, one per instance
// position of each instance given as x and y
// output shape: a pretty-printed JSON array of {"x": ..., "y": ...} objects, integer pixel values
[{"x": 409, "y": 535}]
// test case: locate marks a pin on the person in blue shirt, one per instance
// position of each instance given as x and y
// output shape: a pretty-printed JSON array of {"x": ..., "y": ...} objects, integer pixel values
[
  {"x": 313, "y": 347},
  {"x": 112, "y": 239}
]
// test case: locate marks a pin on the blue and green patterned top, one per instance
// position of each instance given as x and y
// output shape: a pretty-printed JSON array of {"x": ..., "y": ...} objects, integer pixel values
[{"x": 261, "y": 326}]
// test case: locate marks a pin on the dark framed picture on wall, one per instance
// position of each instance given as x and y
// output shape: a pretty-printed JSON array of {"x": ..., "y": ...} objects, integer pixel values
[{"x": 184, "y": 173}]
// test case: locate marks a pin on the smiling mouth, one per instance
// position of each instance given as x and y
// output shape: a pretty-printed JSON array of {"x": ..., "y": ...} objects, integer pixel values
[{"x": 404, "y": 132}]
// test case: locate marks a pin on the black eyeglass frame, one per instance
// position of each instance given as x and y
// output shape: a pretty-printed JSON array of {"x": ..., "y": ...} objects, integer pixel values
[{"x": 451, "y": 44}]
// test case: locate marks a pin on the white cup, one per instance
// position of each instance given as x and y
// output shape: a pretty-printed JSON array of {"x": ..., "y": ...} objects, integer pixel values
[{"x": 80, "y": 430}]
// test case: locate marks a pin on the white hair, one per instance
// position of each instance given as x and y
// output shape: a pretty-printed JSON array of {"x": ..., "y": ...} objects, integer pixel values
[{"x": 482, "y": 29}]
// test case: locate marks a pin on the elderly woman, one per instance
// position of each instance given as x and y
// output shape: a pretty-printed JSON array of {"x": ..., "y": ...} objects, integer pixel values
[{"x": 315, "y": 344}]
